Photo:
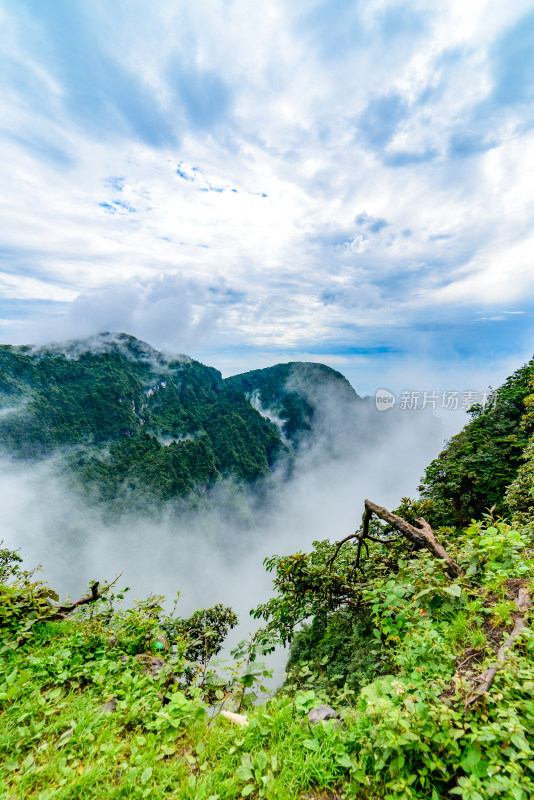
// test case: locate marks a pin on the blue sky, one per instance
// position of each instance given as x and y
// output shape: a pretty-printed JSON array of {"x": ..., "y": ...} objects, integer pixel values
[{"x": 343, "y": 181}]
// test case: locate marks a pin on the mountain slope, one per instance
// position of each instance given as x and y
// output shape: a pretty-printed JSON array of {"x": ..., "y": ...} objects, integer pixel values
[
  {"x": 472, "y": 473},
  {"x": 293, "y": 394},
  {"x": 131, "y": 418}
]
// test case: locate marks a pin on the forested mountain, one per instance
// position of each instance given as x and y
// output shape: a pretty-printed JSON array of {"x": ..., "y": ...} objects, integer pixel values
[
  {"x": 478, "y": 464},
  {"x": 129, "y": 419},
  {"x": 291, "y": 393}
]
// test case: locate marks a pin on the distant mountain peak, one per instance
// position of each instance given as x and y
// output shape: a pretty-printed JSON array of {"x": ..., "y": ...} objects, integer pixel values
[
  {"x": 290, "y": 394},
  {"x": 108, "y": 342},
  {"x": 130, "y": 420}
]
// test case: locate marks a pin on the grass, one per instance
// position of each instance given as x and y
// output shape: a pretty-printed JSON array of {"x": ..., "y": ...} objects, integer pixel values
[
  {"x": 57, "y": 742},
  {"x": 405, "y": 736}
]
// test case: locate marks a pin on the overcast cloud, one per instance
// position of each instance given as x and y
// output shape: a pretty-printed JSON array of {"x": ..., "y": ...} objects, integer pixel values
[{"x": 343, "y": 181}]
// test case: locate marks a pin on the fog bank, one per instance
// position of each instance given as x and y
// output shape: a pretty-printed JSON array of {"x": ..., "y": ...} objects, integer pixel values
[{"x": 205, "y": 554}]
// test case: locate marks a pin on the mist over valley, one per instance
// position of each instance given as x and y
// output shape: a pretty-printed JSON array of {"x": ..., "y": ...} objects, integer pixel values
[{"x": 119, "y": 458}]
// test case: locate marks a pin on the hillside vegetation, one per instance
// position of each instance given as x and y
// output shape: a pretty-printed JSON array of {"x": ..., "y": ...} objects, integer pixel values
[
  {"x": 426, "y": 659},
  {"x": 130, "y": 419},
  {"x": 478, "y": 464},
  {"x": 291, "y": 392}
]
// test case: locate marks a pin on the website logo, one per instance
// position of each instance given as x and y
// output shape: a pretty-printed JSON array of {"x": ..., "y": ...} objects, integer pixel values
[{"x": 384, "y": 400}]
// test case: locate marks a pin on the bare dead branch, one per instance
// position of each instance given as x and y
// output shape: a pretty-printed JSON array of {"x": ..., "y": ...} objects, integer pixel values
[
  {"x": 62, "y": 610},
  {"x": 383, "y": 541},
  {"x": 91, "y": 598},
  {"x": 340, "y": 545},
  {"x": 486, "y": 679},
  {"x": 357, "y": 565},
  {"x": 423, "y": 535},
  {"x": 366, "y": 517},
  {"x": 471, "y": 653}
]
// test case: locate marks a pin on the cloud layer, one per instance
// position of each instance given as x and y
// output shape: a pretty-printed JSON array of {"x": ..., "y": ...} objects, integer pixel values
[{"x": 348, "y": 178}]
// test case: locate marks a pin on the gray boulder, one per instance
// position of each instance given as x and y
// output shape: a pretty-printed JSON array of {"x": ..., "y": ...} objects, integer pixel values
[
  {"x": 111, "y": 705},
  {"x": 321, "y": 714}
]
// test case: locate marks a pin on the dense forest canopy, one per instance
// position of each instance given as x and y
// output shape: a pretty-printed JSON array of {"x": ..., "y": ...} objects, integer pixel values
[
  {"x": 131, "y": 419},
  {"x": 478, "y": 464},
  {"x": 290, "y": 392}
]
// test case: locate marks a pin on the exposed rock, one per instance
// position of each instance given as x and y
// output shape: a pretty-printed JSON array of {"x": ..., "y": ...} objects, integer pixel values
[
  {"x": 152, "y": 664},
  {"x": 161, "y": 642},
  {"x": 321, "y": 714},
  {"x": 158, "y": 668},
  {"x": 111, "y": 705}
]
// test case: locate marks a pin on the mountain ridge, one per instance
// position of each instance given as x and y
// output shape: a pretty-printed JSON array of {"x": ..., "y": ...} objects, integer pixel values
[{"x": 133, "y": 419}]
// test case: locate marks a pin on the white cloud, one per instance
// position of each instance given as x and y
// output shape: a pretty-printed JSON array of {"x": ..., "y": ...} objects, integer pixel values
[
  {"x": 250, "y": 101},
  {"x": 21, "y": 287}
]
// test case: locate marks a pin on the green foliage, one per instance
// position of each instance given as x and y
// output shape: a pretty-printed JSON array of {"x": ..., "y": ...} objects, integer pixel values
[
  {"x": 202, "y": 635},
  {"x": 82, "y": 716},
  {"x": 257, "y": 773},
  {"x": 411, "y": 510},
  {"x": 478, "y": 464},
  {"x": 405, "y": 733},
  {"x": 285, "y": 391},
  {"x": 413, "y": 737},
  {"x": 308, "y": 585},
  {"x": 244, "y": 677},
  {"x": 9, "y": 563},
  {"x": 520, "y": 494},
  {"x": 205, "y": 630},
  {"x": 424, "y": 747},
  {"x": 136, "y": 427},
  {"x": 494, "y": 550},
  {"x": 24, "y": 603},
  {"x": 332, "y": 653}
]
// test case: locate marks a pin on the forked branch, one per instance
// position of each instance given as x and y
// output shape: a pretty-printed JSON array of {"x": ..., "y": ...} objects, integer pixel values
[
  {"x": 90, "y": 598},
  {"x": 422, "y": 536},
  {"x": 96, "y": 594}
]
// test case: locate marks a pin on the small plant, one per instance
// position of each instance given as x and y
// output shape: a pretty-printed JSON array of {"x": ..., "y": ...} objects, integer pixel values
[
  {"x": 502, "y": 613},
  {"x": 201, "y": 637},
  {"x": 238, "y": 684},
  {"x": 257, "y": 773}
]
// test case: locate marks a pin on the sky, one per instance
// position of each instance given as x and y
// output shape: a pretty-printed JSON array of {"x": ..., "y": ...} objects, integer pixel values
[{"x": 349, "y": 181}]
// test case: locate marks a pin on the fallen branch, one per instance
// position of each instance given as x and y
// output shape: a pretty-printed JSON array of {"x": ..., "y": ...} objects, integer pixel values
[
  {"x": 62, "y": 611},
  {"x": 96, "y": 594},
  {"x": 422, "y": 536},
  {"x": 472, "y": 652},
  {"x": 485, "y": 680},
  {"x": 340, "y": 544},
  {"x": 91, "y": 598}
]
